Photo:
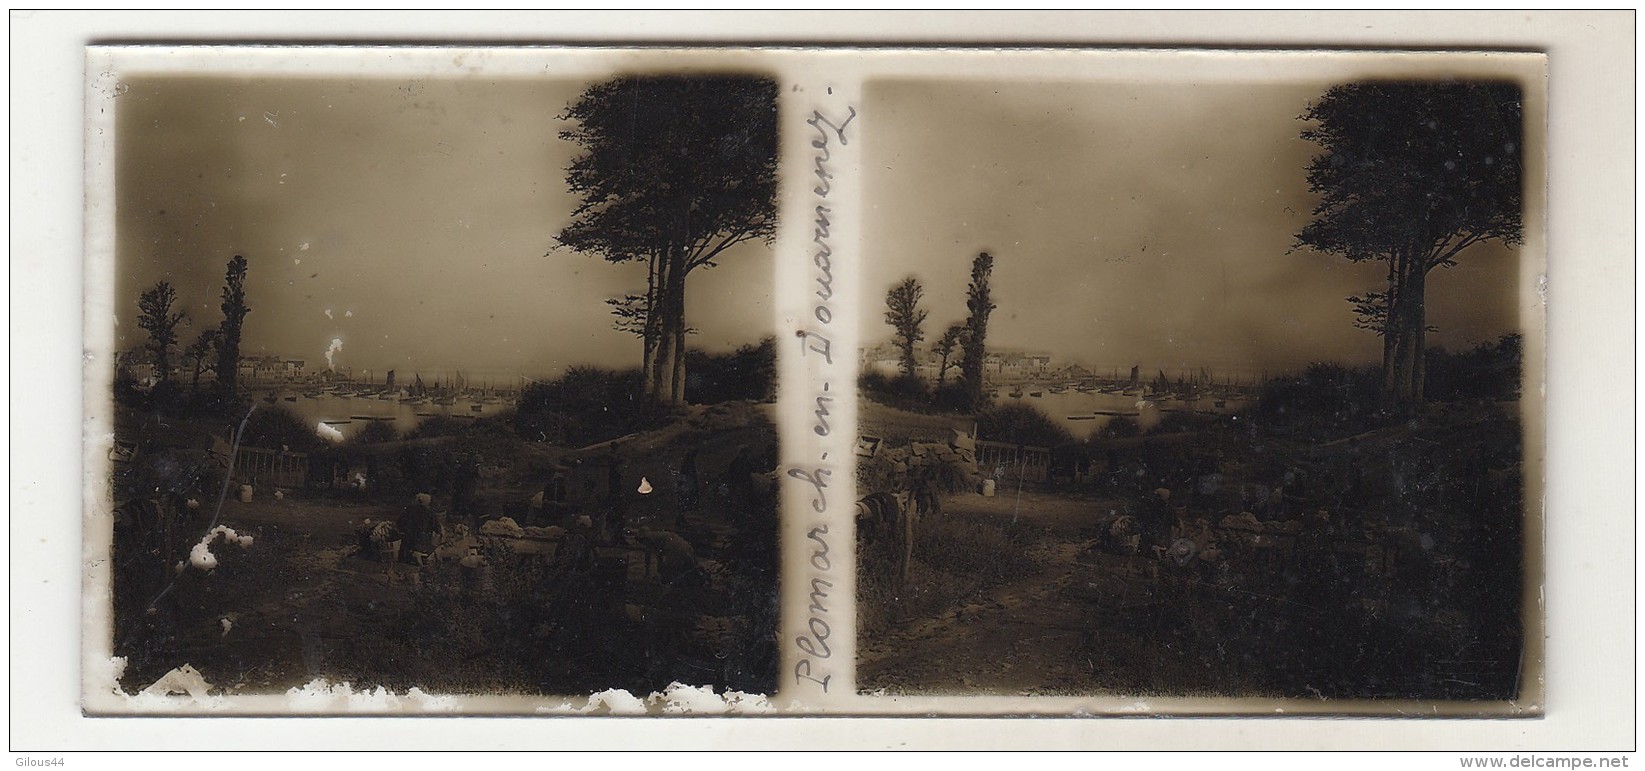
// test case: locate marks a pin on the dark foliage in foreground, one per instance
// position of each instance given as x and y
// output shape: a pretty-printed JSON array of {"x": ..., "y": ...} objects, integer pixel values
[
  {"x": 1325, "y": 400},
  {"x": 1021, "y": 424},
  {"x": 589, "y": 405},
  {"x": 377, "y": 432},
  {"x": 586, "y": 405},
  {"x": 748, "y": 373},
  {"x": 1489, "y": 371},
  {"x": 1331, "y": 399},
  {"x": 276, "y": 427},
  {"x": 913, "y": 394}
]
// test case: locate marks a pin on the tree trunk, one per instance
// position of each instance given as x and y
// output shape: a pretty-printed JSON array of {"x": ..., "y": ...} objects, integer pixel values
[
  {"x": 1407, "y": 323},
  {"x": 1416, "y": 294},
  {"x": 677, "y": 395},
  {"x": 665, "y": 375},
  {"x": 162, "y": 362},
  {"x": 676, "y": 373},
  {"x": 661, "y": 367},
  {"x": 1387, "y": 321},
  {"x": 651, "y": 332}
]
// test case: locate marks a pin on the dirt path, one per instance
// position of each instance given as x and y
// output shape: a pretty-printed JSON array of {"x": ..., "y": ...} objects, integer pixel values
[
  {"x": 1025, "y": 632},
  {"x": 1024, "y": 637}
]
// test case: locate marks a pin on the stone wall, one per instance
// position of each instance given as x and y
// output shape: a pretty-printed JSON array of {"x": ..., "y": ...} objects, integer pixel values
[{"x": 948, "y": 466}]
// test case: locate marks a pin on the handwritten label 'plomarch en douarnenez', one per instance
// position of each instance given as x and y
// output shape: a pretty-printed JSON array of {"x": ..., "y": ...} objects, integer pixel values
[{"x": 812, "y": 667}]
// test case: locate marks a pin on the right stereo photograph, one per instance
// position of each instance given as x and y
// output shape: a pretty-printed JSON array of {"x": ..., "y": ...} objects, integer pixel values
[{"x": 1202, "y": 387}]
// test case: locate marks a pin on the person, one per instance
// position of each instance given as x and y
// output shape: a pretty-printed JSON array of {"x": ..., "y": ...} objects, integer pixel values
[{"x": 420, "y": 528}]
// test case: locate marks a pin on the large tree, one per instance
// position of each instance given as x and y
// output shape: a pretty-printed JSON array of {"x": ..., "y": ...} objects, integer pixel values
[
  {"x": 234, "y": 320},
  {"x": 675, "y": 170},
  {"x": 980, "y": 303},
  {"x": 156, "y": 317},
  {"x": 1412, "y": 174},
  {"x": 902, "y": 312}
]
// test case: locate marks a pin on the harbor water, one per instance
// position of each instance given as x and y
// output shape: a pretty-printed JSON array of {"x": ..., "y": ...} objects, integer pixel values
[
  {"x": 351, "y": 414},
  {"x": 1084, "y": 414}
]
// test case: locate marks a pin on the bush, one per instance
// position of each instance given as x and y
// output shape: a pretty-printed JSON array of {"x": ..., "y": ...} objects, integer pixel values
[
  {"x": 748, "y": 373},
  {"x": 1489, "y": 371},
  {"x": 912, "y": 394},
  {"x": 586, "y": 405},
  {"x": 1122, "y": 427},
  {"x": 166, "y": 398},
  {"x": 1325, "y": 400},
  {"x": 438, "y": 425},
  {"x": 376, "y": 432},
  {"x": 1177, "y": 422},
  {"x": 1021, "y": 424},
  {"x": 951, "y": 396},
  {"x": 276, "y": 427}
]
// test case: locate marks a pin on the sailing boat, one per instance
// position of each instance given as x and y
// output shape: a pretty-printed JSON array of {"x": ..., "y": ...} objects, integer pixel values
[
  {"x": 445, "y": 397},
  {"x": 419, "y": 393}
]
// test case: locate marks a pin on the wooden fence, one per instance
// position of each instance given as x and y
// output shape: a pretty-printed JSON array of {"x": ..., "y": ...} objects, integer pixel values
[
  {"x": 259, "y": 467},
  {"x": 1013, "y": 462}
]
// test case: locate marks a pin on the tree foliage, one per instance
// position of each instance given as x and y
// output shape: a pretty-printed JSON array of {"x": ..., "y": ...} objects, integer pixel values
[
  {"x": 945, "y": 347},
  {"x": 1489, "y": 371},
  {"x": 979, "y": 303},
  {"x": 234, "y": 319},
  {"x": 675, "y": 170},
  {"x": 156, "y": 317},
  {"x": 902, "y": 312},
  {"x": 584, "y": 406},
  {"x": 629, "y": 313},
  {"x": 1412, "y": 174},
  {"x": 197, "y": 352},
  {"x": 748, "y": 373},
  {"x": 1021, "y": 424}
]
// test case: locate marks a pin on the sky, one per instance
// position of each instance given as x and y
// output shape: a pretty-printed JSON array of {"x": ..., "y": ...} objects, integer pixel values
[
  {"x": 411, "y": 219},
  {"x": 1131, "y": 224}
]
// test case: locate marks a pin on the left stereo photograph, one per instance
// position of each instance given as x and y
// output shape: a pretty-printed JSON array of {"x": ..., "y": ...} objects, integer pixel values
[{"x": 453, "y": 381}]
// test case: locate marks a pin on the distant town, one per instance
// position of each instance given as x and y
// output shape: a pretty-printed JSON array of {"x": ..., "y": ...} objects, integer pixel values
[
  {"x": 1017, "y": 368},
  {"x": 273, "y": 373}
]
